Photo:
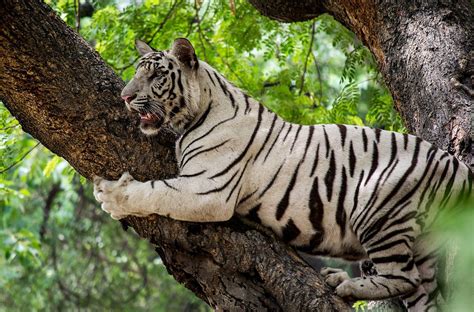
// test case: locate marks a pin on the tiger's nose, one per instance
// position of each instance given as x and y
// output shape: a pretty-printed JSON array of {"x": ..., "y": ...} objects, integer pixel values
[{"x": 128, "y": 98}]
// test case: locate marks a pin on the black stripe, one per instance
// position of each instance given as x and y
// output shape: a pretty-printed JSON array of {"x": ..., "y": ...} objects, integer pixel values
[
  {"x": 180, "y": 83},
  {"x": 352, "y": 160},
  {"x": 267, "y": 137},
  {"x": 380, "y": 224},
  {"x": 427, "y": 186},
  {"x": 290, "y": 231},
  {"x": 316, "y": 215},
  {"x": 447, "y": 190},
  {"x": 212, "y": 129},
  {"x": 422, "y": 178},
  {"x": 377, "y": 134},
  {"x": 375, "y": 163},
  {"x": 238, "y": 180},
  {"x": 341, "y": 212},
  {"x": 425, "y": 258},
  {"x": 246, "y": 197},
  {"x": 398, "y": 277},
  {"x": 285, "y": 201},
  {"x": 370, "y": 231},
  {"x": 343, "y": 132},
  {"x": 356, "y": 195},
  {"x": 247, "y": 104},
  {"x": 204, "y": 151},
  {"x": 273, "y": 143},
  {"x": 288, "y": 132},
  {"x": 364, "y": 140},
  {"x": 231, "y": 97},
  {"x": 237, "y": 196},
  {"x": 387, "y": 246},
  {"x": 409, "y": 266},
  {"x": 405, "y": 140},
  {"x": 218, "y": 189},
  {"x": 271, "y": 182},
  {"x": 192, "y": 174},
  {"x": 296, "y": 137},
  {"x": 389, "y": 235},
  {"x": 391, "y": 259},
  {"x": 308, "y": 141},
  {"x": 210, "y": 77},
  {"x": 330, "y": 176},
  {"x": 172, "y": 95},
  {"x": 326, "y": 139},
  {"x": 231, "y": 165},
  {"x": 196, "y": 125},
  {"x": 152, "y": 182},
  {"x": 170, "y": 186},
  {"x": 373, "y": 198},
  {"x": 445, "y": 154},
  {"x": 221, "y": 84},
  {"x": 183, "y": 156},
  {"x": 402, "y": 220},
  {"x": 411, "y": 304},
  {"x": 315, "y": 163}
]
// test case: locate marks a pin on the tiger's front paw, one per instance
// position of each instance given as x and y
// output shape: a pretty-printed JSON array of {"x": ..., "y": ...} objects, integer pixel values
[{"x": 113, "y": 195}]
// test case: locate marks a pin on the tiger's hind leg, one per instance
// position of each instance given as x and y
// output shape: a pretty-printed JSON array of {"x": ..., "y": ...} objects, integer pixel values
[
  {"x": 391, "y": 252},
  {"x": 426, "y": 261},
  {"x": 390, "y": 282}
]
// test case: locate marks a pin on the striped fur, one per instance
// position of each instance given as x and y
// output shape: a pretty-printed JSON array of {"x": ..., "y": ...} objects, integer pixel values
[{"x": 335, "y": 190}]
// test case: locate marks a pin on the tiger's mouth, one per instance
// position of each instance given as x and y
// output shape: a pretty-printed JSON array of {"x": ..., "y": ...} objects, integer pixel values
[
  {"x": 150, "y": 123},
  {"x": 149, "y": 118}
]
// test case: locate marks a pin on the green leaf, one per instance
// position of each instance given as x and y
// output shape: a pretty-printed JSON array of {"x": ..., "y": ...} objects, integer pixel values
[{"x": 51, "y": 165}]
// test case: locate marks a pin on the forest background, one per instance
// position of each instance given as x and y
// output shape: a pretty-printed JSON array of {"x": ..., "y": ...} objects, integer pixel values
[{"x": 58, "y": 250}]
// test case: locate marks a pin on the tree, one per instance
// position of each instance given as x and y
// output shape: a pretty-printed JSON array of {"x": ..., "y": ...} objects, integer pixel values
[
  {"x": 423, "y": 49},
  {"x": 42, "y": 76}
]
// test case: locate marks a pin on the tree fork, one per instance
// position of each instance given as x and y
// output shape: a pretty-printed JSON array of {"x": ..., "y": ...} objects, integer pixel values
[{"x": 64, "y": 95}]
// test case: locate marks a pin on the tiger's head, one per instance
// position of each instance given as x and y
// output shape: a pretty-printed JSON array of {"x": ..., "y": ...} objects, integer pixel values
[{"x": 164, "y": 89}]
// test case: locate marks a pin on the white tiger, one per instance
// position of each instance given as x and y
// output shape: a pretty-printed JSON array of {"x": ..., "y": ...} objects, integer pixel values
[{"x": 336, "y": 190}]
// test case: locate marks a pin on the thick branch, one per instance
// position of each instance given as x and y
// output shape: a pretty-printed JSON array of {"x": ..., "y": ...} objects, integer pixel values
[{"x": 64, "y": 95}]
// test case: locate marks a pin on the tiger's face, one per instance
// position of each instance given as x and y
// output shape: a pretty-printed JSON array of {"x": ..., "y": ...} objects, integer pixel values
[{"x": 164, "y": 89}]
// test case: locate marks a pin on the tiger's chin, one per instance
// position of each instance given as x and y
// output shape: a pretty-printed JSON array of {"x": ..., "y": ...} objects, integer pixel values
[{"x": 149, "y": 130}]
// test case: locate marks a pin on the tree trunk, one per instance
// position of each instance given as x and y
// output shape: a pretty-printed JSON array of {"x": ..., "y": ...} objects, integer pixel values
[
  {"x": 65, "y": 96},
  {"x": 425, "y": 51}
]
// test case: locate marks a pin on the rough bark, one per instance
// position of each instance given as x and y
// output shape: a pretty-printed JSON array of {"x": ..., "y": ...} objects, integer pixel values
[
  {"x": 65, "y": 96},
  {"x": 424, "y": 50}
]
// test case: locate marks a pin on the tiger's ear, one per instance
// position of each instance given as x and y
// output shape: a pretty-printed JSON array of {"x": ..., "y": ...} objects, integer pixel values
[
  {"x": 183, "y": 50},
  {"x": 142, "y": 47}
]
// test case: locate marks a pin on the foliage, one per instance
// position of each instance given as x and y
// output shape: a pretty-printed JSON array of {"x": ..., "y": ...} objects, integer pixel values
[{"x": 57, "y": 250}]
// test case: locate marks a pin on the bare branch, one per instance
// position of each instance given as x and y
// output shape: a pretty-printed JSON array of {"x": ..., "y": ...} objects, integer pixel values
[
  {"x": 310, "y": 48},
  {"x": 19, "y": 160},
  {"x": 318, "y": 71}
]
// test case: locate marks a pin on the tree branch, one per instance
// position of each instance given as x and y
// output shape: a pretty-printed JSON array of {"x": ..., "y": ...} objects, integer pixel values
[
  {"x": 310, "y": 49},
  {"x": 47, "y": 208},
  {"x": 19, "y": 160}
]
